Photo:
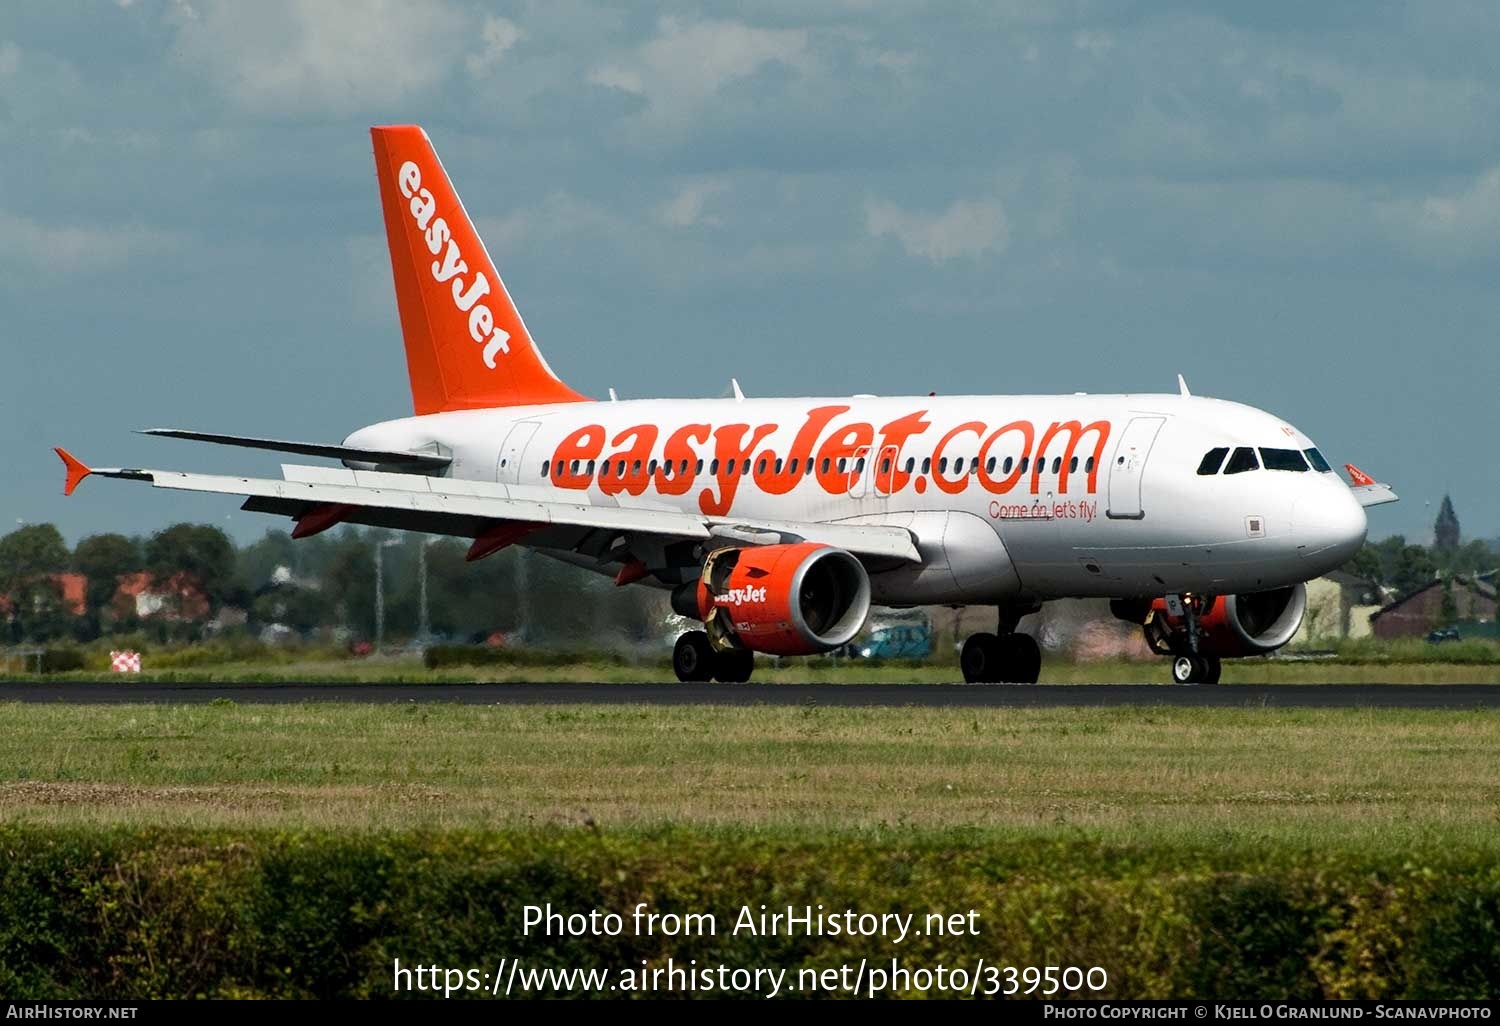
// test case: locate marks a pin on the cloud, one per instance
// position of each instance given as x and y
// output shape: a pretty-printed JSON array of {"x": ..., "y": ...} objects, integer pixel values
[
  {"x": 60, "y": 249},
  {"x": 287, "y": 56},
  {"x": 1451, "y": 225},
  {"x": 685, "y": 64},
  {"x": 498, "y": 36},
  {"x": 968, "y": 228},
  {"x": 685, "y": 208}
]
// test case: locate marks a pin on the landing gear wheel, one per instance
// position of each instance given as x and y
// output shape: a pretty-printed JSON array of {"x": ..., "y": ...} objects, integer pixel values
[
  {"x": 1196, "y": 669},
  {"x": 693, "y": 657},
  {"x": 734, "y": 666},
  {"x": 980, "y": 659},
  {"x": 1021, "y": 659}
]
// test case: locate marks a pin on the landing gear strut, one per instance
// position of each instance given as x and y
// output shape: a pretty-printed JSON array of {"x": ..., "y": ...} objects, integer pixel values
[
  {"x": 695, "y": 660},
  {"x": 1003, "y": 658}
]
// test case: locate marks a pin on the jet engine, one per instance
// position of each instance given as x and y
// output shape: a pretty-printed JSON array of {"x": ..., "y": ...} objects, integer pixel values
[
  {"x": 1231, "y": 625},
  {"x": 797, "y": 599}
]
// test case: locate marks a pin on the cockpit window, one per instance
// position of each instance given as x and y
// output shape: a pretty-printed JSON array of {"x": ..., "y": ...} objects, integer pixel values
[
  {"x": 1242, "y": 460},
  {"x": 1316, "y": 459},
  {"x": 1283, "y": 459},
  {"x": 1212, "y": 461}
]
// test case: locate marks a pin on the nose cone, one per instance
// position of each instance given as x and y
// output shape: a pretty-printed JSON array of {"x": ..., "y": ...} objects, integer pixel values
[{"x": 1329, "y": 525}]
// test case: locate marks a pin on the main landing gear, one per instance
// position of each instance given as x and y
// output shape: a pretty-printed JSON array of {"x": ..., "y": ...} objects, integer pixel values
[
  {"x": 694, "y": 659},
  {"x": 1002, "y": 658}
]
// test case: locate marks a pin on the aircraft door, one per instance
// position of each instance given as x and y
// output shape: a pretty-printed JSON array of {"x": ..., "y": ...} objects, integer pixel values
[
  {"x": 861, "y": 469},
  {"x": 513, "y": 451},
  {"x": 885, "y": 470},
  {"x": 1129, "y": 466}
]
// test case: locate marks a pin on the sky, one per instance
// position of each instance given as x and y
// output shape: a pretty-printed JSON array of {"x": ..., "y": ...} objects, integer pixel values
[{"x": 1294, "y": 205}]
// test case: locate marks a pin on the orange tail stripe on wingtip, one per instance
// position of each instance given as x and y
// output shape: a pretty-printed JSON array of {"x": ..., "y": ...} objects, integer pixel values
[
  {"x": 466, "y": 345},
  {"x": 1359, "y": 477},
  {"x": 76, "y": 470}
]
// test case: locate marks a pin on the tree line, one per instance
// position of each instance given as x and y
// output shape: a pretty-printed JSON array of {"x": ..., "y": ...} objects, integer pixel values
[{"x": 319, "y": 586}]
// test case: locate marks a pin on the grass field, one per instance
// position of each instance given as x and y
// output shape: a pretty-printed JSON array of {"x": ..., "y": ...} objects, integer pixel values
[{"x": 1370, "y": 779}]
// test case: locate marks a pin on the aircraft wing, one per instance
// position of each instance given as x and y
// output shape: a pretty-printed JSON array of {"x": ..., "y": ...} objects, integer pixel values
[
  {"x": 425, "y": 461},
  {"x": 320, "y": 497},
  {"x": 1368, "y": 491}
]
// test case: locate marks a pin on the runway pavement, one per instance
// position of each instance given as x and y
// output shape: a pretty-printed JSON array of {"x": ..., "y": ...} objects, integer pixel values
[{"x": 1404, "y": 696}]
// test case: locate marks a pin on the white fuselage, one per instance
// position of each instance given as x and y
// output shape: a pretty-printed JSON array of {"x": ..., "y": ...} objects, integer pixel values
[{"x": 1108, "y": 502}]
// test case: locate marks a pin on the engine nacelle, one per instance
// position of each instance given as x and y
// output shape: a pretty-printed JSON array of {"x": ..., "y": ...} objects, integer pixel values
[
  {"x": 1234, "y": 625},
  {"x": 796, "y": 599}
]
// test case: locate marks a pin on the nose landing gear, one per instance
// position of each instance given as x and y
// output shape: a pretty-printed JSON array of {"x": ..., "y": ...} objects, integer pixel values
[
  {"x": 1003, "y": 658},
  {"x": 1196, "y": 669},
  {"x": 1189, "y": 664}
]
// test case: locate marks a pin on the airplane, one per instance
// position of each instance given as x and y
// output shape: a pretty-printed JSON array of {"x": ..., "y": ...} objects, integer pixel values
[{"x": 778, "y": 522}]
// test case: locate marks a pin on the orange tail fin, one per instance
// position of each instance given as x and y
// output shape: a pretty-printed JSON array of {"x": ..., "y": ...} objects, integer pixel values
[{"x": 466, "y": 346}]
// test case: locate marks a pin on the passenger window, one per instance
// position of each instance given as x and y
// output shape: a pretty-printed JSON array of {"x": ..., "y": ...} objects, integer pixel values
[
  {"x": 1212, "y": 461},
  {"x": 1009, "y": 462},
  {"x": 911, "y": 464},
  {"x": 545, "y": 465},
  {"x": 793, "y": 467},
  {"x": 699, "y": 469},
  {"x": 885, "y": 465},
  {"x": 1316, "y": 459},
  {"x": 943, "y": 465},
  {"x": 926, "y": 464},
  {"x": 744, "y": 467},
  {"x": 760, "y": 468},
  {"x": 843, "y": 465},
  {"x": 620, "y": 469},
  {"x": 635, "y": 469},
  {"x": 590, "y": 470},
  {"x": 666, "y": 469},
  {"x": 859, "y": 465},
  {"x": 1241, "y": 460},
  {"x": 1088, "y": 465},
  {"x": 1073, "y": 465},
  {"x": 1025, "y": 460},
  {"x": 713, "y": 468},
  {"x": 1283, "y": 459},
  {"x": 807, "y": 470},
  {"x": 958, "y": 465},
  {"x": 825, "y": 464},
  {"x": 778, "y": 464},
  {"x": 1056, "y": 464},
  {"x": 989, "y": 468}
]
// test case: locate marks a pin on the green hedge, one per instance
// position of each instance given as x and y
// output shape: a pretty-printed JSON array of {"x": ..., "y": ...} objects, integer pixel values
[
  {"x": 439, "y": 656},
  {"x": 89, "y": 914}
]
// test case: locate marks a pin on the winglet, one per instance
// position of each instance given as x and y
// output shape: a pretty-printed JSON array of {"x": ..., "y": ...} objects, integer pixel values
[
  {"x": 76, "y": 470},
  {"x": 1358, "y": 477}
]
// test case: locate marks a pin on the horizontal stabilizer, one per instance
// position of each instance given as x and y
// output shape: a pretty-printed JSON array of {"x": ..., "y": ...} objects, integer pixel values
[{"x": 415, "y": 460}]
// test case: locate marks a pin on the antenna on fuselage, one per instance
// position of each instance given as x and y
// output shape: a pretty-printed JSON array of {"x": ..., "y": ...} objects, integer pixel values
[
  {"x": 1182, "y": 388},
  {"x": 739, "y": 396},
  {"x": 612, "y": 397}
]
